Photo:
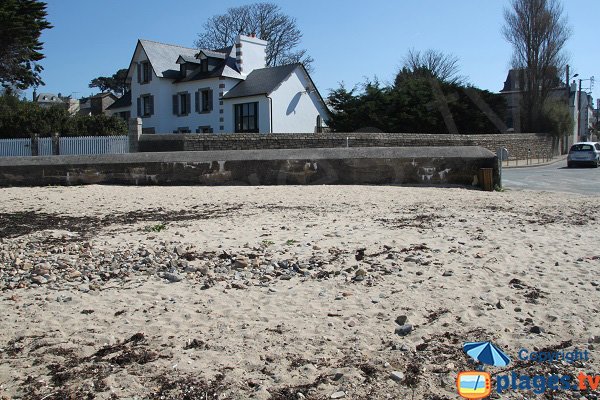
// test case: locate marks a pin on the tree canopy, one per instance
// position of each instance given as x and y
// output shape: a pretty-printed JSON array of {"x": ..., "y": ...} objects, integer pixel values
[
  {"x": 267, "y": 21},
  {"x": 418, "y": 101},
  {"x": 115, "y": 83},
  {"x": 21, "y": 25}
]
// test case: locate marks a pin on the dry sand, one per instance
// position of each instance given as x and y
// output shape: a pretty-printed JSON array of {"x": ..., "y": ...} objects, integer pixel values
[{"x": 287, "y": 292}]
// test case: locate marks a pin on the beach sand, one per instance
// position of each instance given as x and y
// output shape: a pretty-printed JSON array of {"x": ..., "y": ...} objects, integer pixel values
[{"x": 288, "y": 292}]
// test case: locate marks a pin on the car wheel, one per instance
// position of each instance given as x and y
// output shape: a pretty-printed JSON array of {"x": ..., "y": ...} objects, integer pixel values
[{"x": 569, "y": 165}]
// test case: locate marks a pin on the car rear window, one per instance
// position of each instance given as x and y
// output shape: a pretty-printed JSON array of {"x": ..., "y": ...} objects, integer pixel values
[{"x": 582, "y": 147}]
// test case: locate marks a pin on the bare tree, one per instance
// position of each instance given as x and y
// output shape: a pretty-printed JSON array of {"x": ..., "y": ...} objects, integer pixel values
[
  {"x": 267, "y": 21},
  {"x": 538, "y": 32},
  {"x": 433, "y": 63}
]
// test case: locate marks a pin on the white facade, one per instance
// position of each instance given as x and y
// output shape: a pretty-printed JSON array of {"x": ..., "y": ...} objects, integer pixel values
[
  {"x": 296, "y": 105},
  {"x": 291, "y": 105}
]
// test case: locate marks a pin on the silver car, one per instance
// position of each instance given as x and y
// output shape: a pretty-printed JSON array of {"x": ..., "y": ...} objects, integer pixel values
[{"x": 584, "y": 153}]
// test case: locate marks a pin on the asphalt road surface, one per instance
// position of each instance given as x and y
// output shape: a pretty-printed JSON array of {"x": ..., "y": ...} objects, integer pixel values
[{"x": 554, "y": 178}]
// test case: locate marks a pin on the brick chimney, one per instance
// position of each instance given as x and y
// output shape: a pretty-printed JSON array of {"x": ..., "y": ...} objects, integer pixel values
[{"x": 250, "y": 53}]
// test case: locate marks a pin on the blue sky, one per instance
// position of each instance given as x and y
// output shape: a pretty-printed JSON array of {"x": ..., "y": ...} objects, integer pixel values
[{"x": 350, "y": 41}]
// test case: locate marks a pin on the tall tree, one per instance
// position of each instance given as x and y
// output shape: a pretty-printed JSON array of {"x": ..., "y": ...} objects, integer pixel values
[
  {"x": 21, "y": 25},
  {"x": 117, "y": 83},
  {"x": 432, "y": 63},
  {"x": 538, "y": 32},
  {"x": 267, "y": 21}
]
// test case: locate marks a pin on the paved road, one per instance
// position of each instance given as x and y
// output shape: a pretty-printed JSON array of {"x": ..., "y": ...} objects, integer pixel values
[{"x": 554, "y": 177}]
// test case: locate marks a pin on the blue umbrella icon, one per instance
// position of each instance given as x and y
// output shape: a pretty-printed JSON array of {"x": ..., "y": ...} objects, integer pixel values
[{"x": 486, "y": 353}]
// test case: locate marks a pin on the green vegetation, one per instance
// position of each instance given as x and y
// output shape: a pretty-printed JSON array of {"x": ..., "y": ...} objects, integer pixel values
[
  {"x": 155, "y": 228},
  {"x": 115, "y": 83},
  {"x": 21, "y": 119},
  {"x": 417, "y": 104},
  {"x": 291, "y": 242},
  {"x": 21, "y": 25}
]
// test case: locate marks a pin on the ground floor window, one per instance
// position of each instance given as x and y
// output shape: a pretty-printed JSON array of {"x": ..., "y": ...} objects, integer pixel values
[
  {"x": 204, "y": 129},
  {"x": 246, "y": 117}
]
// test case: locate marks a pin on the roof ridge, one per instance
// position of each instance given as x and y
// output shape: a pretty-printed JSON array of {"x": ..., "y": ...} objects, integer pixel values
[{"x": 167, "y": 44}]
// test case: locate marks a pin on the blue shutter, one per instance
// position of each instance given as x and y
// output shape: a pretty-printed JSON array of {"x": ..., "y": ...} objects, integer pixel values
[{"x": 175, "y": 104}]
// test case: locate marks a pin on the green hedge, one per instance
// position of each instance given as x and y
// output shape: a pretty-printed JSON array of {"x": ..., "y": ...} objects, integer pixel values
[{"x": 21, "y": 119}]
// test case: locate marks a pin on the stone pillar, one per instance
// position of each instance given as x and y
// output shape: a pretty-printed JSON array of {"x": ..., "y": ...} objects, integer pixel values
[
  {"x": 34, "y": 144},
  {"x": 135, "y": 132},
  {"x": 55, "y": 144}
]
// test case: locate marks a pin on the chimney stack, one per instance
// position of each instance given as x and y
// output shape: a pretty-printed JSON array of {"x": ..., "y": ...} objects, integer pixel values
[{"x": 250, "y": 53}]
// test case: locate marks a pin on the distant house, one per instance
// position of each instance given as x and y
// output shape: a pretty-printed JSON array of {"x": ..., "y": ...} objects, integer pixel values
[
  {"x": 97, "y": 104},
  {"x": 513, "y": 90},
  {"x": 178, "y": 89},
  {"x": 49, "y": 100},
  {"x": 121, "y": 107}
]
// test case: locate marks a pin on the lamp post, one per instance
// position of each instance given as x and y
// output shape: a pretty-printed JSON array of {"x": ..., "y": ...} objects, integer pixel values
[{"x": 572, "y": 109}]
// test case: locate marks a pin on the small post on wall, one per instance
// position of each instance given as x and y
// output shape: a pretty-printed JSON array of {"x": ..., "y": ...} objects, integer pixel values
[{"x": 134, "y": 134}]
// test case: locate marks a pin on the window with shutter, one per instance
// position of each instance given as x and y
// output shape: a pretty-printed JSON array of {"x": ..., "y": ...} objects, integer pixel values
[
  {"x": 139, "y": 72},
  {"x": 139, "y": 107},
  {"x": 188, "y": 103},
  {"x": 197, "y": 102},
  {"x": 206, "y": 100},
  {"x": 151, "y": 105},
  {"x": 175, "y": 104}
]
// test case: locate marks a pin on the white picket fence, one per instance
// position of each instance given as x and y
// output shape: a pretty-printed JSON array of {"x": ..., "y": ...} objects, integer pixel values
[
  {"x": 45, "y": 146},
  {"x": 93, "y": 145},
  {"x": 83, "y": 145},
  {"x": 15, "y": 147}
]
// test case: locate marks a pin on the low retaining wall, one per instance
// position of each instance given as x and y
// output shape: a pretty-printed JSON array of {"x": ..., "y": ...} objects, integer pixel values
[
  {"x": 417, "y": 165},
  {"x": 521, "y": 146}
]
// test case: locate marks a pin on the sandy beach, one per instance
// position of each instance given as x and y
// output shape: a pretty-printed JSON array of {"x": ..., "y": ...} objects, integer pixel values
[{"x": 288, "y": 292}]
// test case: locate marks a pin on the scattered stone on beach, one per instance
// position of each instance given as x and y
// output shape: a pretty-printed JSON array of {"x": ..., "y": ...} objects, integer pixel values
[
  {"x": 338, "y": 395},
  {"x": 173, "y": 277},
  {"x": 241, "y": 263},
  {"x": 397, "y": 376},
  {"x": 448, "y": 273},
  {"x": 401, "y": 319},
  {"x": 404, "y": 330},
  {"x": 536, "y": 329}
]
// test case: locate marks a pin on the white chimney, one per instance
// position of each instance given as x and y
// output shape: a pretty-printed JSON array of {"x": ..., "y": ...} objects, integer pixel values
[{"x": 250, "y": 53}]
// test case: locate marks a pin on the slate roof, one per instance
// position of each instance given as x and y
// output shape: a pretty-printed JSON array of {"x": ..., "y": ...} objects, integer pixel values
[
  {"x": 227, "y": 69},
  {"x": 121, "y": 102},
  {"x": 188, "y": 59},
  {"x": 48, "y": 98},
  {"x": 163, "y": 57},
  {"x": 215, "y": 53},
  {"x": 262, "y": 81}
]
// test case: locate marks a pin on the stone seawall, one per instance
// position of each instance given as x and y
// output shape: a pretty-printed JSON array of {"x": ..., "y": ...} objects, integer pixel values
[{"x": 394, "y": 165}]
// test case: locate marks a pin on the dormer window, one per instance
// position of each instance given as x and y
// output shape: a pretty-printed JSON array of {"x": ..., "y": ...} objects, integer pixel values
[{"x": 204, "y": 65}]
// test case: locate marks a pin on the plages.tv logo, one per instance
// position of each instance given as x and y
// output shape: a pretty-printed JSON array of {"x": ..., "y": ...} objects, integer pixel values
[
  {"x": 474, "y": 384},
  {"x": 478, "y": 384}
]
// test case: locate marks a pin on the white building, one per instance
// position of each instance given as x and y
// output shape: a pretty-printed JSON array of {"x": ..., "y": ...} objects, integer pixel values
[{"x": 178, "y": 89}]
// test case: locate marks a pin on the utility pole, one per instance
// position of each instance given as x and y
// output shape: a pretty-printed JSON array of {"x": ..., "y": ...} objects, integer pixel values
[
  {"x": 568, "y": 85},
  {"x": 578, "y": 110}
]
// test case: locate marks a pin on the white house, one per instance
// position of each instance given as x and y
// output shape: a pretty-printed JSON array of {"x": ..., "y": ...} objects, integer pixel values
[{"x": 178, "y": 89}]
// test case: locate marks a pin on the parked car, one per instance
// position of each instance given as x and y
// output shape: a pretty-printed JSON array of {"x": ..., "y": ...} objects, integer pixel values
[{"x": 584, "y": 153}]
